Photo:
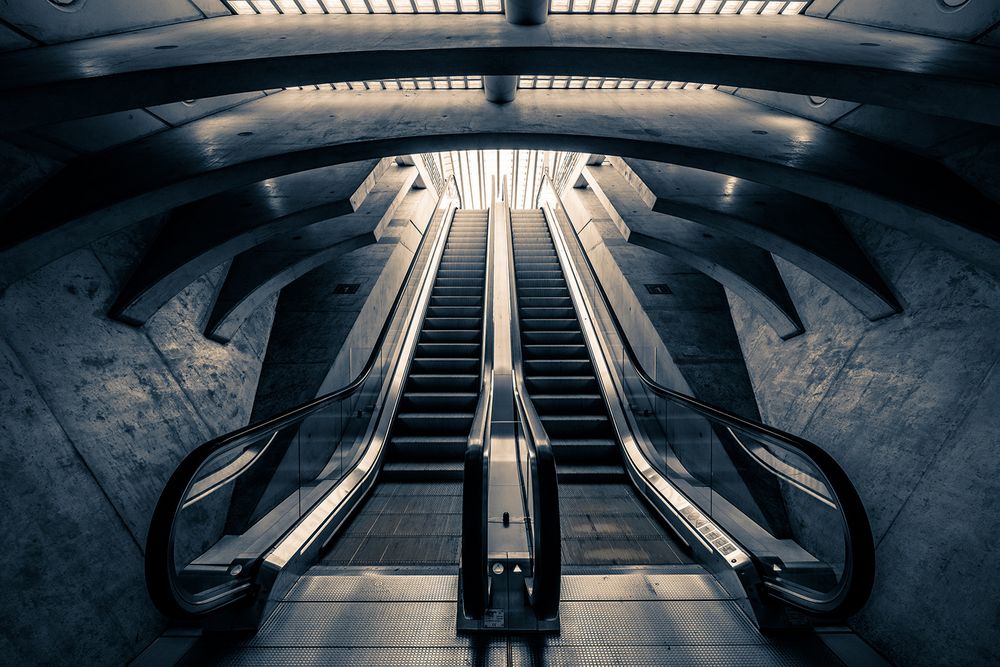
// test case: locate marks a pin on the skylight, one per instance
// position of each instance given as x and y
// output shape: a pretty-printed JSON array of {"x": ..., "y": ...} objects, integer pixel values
[
  {"x": 765, "y": 7},
  {"x": 480, "y": 173},
  {"x": 524, "y": 82}
]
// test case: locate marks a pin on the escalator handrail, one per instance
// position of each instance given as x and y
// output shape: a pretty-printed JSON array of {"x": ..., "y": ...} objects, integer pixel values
[
  {"x": 859, "y": 561},
  {"x": 545, "y": 535},
  {"x": 159, "y": 557},
  {"x": 475, "y": 488}
]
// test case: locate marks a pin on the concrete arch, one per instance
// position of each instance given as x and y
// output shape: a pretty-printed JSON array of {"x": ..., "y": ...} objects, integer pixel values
[
  {"x": 300, "y": 130},
  {"x": 801, "y": 230},
  {"x": 260, "y": 272},
  {"x": 238, "y": 54},
  {"x": 745, "y": 269},
  {"x": 203, "y": 234}
]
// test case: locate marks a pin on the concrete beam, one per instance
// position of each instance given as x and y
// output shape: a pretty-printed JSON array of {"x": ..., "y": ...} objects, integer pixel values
[
  {"x": 743, "y": 268},
  {"x": 202, "y": 235},
  {"x": 801, "y": 230},
  {"x": 235, "y": 54},
  {"x": 258, "y": 274},
  {"x": 300, "y": 130}
]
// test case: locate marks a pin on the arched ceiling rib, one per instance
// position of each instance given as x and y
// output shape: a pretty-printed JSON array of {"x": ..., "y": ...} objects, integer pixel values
[
  {"x": 238, "y": 54},
  {"x": 299, "y": 130},
  {"x": 724, "y": 7}
]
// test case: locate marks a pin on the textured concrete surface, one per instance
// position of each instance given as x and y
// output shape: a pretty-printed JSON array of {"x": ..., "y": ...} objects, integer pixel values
[
  {"x": 802, "y": 55},
  {"x": 96, "y": 414},
  {"x": 768, "y": 218},
  {"x": 907, "y": 405},
  {"x": 258, "y": 274},
  {"x": 341, "y": 327},
  {"x": 207, "y": 233},
  {"x": 742, "y": 267},
  {"x": 292, "y": 131}
]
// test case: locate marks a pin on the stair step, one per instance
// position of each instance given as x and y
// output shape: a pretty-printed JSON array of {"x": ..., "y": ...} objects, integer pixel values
[
  {"x": 433, "y": 423},
  {"x": 438, "y": 401},
  {"x": 454, "y": 311},
  {"x": 590, "y": 474},
  {"x": 535, "y": 351},
  {"x": 551, "y": 337},
  {"x": 569, "y": 426},
  {"x": 452, "y": 382},
  {"x": 549, "y": 384},
  {"x": 451, "y": 336},
  {"x": 436, "y": 471},
  {"x": 565, "y": 403},
  {"x": 447, "y": 350},
  {"x": 445, "y": 365},
  {"x": 438, "y": 323},
  {"x": 428, "y": 448}
]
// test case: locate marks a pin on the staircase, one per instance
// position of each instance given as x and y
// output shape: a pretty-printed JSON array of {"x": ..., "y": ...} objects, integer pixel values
[{"x": 435, "y": 415}]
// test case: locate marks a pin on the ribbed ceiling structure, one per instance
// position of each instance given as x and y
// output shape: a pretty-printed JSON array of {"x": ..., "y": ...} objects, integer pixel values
[{"x": 728, "y": 7}]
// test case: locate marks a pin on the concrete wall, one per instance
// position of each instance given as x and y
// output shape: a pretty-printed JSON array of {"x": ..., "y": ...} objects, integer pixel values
[
  {"x": 321, "y": 340},
  {"x": 94, "y": 416},
  {"x": 908, "y": 405}
]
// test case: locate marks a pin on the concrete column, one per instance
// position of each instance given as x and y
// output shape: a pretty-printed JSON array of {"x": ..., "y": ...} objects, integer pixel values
[
  {"x": 527, "y": 12},
  {"x": 501, "y": 88}
]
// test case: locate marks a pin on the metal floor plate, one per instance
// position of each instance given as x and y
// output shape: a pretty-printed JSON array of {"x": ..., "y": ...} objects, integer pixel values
[
  {"x": 373, "y": 624},
  {"x": 641, "y": 586},
  {"x": 374, "y": 587},
  {"x": 378, "y": 616},
  {"x": 778, "y": 654}
]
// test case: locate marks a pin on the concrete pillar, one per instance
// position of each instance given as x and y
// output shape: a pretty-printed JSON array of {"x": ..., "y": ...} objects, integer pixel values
[
  {"x": 527, "y": 12},
  {"x": 500, "y": 88}
]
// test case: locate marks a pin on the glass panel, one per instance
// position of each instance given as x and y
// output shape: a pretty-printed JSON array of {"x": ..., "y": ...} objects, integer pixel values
[
  {"x": 247, "y": 495},
  {"x": 759, "y": 491}
]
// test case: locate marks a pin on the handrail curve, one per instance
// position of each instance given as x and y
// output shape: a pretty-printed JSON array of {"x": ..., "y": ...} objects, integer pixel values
[
  {"x": 859, "y": 562},
  {"x": 160, "y": 570}
]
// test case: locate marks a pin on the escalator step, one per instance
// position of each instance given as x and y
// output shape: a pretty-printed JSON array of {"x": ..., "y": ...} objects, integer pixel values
[
  {"x": 438, "y": 401},
  {"x": 451, "y": 382},
  {"x": 428, "y": 448}
]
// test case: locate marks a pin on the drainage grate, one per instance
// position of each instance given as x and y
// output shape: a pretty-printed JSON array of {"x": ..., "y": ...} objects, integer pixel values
[
  {"x": 658, "y": 288},
  {"x": 346, "y": 288}
]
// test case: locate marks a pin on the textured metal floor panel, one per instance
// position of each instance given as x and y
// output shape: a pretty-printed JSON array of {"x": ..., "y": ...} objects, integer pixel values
[
  {"x": 325, "y": 624},
  {"x": 639, "y": 586},
  {"x": 779, "y": 654},
  {"x": 475, "y": 656},
  {"x": 375, "y": 588},
  {"x": 675, "y": 622}
]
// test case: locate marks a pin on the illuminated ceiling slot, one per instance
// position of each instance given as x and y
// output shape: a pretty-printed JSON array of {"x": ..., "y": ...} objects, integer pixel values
[{"x": 768, "y": 7}]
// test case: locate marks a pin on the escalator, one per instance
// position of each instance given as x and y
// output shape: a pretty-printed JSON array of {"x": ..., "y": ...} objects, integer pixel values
[
  {"x": 603, "y": 521},
  {"x": 413, "y": 515},
  {"x": 504, "y": 453}
]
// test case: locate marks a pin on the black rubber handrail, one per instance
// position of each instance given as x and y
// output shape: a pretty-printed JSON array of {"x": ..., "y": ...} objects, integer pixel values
[
  {"x": 859, "y": 562},
  {"x": 475, "y": 489},
  {"x": 160, "y": 570},
  {"x": 546, "y": 537}
]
